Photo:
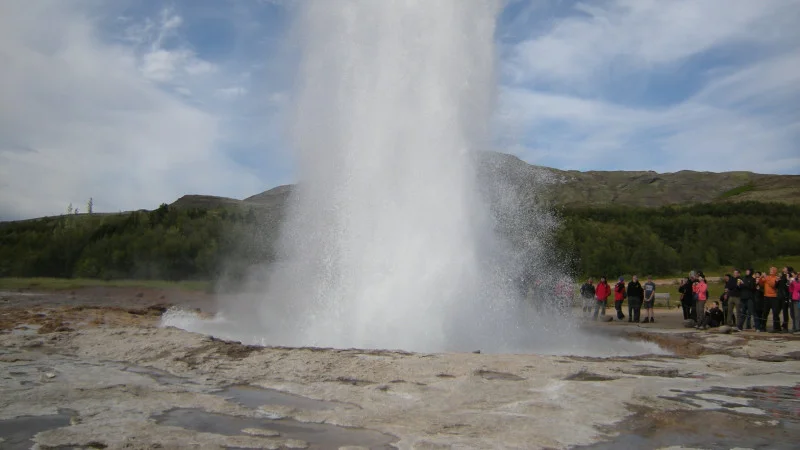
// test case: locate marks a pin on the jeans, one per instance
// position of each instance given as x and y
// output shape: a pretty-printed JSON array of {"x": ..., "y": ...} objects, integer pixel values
[
  {"x": 634, "y": 308},
  {"x": 687, "y": 309},
  {"x": 758, "y": 313},
  {"x": 588, "y": 305},
  {"x": 733, "y": 303},
  {"x": 787, "y": 310},
  {"x": 618, "y": 307},
  {"x": 747, "y": 312},
  {"x": 599, "y": 305},
  {"x": 796, "y": 307},
  {"x": 773, "y": 304},
  {"x": 700, "y": 309}
]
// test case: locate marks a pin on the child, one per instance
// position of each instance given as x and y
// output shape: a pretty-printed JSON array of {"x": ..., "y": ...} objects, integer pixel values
[{"x": 712, "y": 317}]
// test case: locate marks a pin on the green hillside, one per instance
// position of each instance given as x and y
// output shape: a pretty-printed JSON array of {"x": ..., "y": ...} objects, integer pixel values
[{"x": 610, "y": 222}]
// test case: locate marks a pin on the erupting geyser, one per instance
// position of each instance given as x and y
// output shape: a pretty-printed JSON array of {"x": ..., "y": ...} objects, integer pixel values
[
  {"x": 388, "y": 242},
  {"x": 385, "y": 245}
]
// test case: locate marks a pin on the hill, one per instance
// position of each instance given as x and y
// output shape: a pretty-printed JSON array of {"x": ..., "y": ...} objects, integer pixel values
[
  {"x": 588, "y": 189},
  {"x": 610, "y": 222}
]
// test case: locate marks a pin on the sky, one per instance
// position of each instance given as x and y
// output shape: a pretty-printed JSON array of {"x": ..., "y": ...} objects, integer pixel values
[{"x": 134, "y": 103}]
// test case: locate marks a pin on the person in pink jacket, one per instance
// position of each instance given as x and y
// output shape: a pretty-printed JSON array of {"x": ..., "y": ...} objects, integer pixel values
[
  {"x": 700, "y": 289},
  {"x": 794, "y": 293}
]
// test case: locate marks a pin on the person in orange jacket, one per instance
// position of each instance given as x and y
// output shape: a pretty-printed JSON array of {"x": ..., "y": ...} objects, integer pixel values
[{"x": 771, "y": 302}]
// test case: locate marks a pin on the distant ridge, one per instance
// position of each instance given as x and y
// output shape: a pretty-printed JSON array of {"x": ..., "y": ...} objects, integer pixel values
[{"x": 592, "y": 188}]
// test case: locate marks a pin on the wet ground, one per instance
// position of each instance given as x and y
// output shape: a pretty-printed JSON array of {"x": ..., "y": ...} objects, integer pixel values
[{"x": 94, "y": 370}]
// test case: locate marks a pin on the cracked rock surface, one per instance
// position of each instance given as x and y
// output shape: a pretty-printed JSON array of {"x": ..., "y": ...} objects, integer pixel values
[{"x": 114, "y": 379}]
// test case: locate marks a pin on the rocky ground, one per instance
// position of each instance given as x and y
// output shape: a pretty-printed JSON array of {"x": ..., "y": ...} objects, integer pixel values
[{"x": 93, "y": 369}]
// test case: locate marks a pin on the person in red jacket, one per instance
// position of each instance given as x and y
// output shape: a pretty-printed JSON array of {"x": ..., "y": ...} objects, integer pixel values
[
  {"x": 601, "y": 293},
  {"x": 619, "y": 297}
]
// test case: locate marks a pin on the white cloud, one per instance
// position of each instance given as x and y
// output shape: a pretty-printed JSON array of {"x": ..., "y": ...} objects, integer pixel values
[
  {"x": 230, "y": 93},
  {"x": 623, "y": 35},
  {"x": 743, "y": 116},
  {"x": 78, "y": 120}
]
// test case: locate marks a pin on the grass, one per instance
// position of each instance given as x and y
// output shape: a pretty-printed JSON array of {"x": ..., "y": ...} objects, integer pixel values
[
  {"x": 759, "y": 265},
  {"x": 738, "y": 190},
  {"x": 59, "y": 284}
]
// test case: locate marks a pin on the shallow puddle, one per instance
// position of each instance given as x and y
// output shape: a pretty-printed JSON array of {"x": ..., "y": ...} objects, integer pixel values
[
  {"x": 254, "y": 397},
  {"x": 759, "y": 417},
  {"x": 318, "y": 436},
  {"x": 17, "y": 433}
]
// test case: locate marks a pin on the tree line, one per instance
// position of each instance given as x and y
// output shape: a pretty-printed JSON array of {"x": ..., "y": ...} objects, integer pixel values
[{"x": 206, "y": 244}]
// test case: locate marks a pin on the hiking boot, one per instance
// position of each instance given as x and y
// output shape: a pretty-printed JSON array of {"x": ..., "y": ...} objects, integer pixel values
[{"x": 652, "y": 320}]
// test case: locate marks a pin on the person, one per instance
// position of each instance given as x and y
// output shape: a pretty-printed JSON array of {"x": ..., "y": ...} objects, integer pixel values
[
  {"x": 759, "y": 308},
  {"x": 635, "y": 295},
  {"x": 782, "y": 288},
  {"x": 723, "y": 298},
  {"x": 685, "y": 291},
  {"x": 713, "y": 317},
  {"x": 587, "y": 295},
  {"x": 794, "y": 294},
  {"x": 649, "y": 300},
  {"x": 601, "y": 293},
  {"x": 771, "y": 303},
  {"x": 734, "y": 291},
  {"x": 700, "y": 290},
  {"x": 619, "y": 297},
  {"x": 747, "y": 289}
]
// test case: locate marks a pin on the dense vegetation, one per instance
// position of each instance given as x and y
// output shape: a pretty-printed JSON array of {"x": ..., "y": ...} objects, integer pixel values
[
  {"x": 625, "y": 240},
  {"x": 201, "y": 244},
  {"x": 166, "y": 243}
]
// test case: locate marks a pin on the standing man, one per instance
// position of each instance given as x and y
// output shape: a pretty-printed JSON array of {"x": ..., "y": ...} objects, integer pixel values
[
  {"x": 649, "y": 300},
  {"x": 685, "y": 291},
  {"x": 619, "y": 297},
  {"x": 747, "y": 289},
  {"x": 769, "y": 283},
  {"x": 760, "y": 310},
  {"x": 635, "y": 295},
  {"x": 587, "y": 296},
  {"x": 601, "y": 293},
  {"x": 782, "y": 286},
  {"x": 734, "y": 291}
]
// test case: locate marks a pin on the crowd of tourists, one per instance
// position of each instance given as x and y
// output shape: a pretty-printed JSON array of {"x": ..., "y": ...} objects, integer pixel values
[
  {"x": 640, "y": 297},
  {"x": 746, "y": 301}
]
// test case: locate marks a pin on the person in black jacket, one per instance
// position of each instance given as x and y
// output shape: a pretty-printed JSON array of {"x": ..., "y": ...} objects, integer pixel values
[
  {"x": 713, "y": 317},
  {"x": 782, "y": 286},
  {"x": 759, "y": 305},
  {"x": 748, "y": 288},
  {"x": 635, "y": 295},
  {"x": 685, "y": 291},
  {"x": 587, "y": 295},
  {"x": 732, "y": 288}
]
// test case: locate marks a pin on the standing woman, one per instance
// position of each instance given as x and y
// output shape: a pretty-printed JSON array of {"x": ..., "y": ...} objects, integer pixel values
[
  {"x": 794, "y": 293},
  {"x": 700, "y": 289},
  {"x": 785, "y": 300}
]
